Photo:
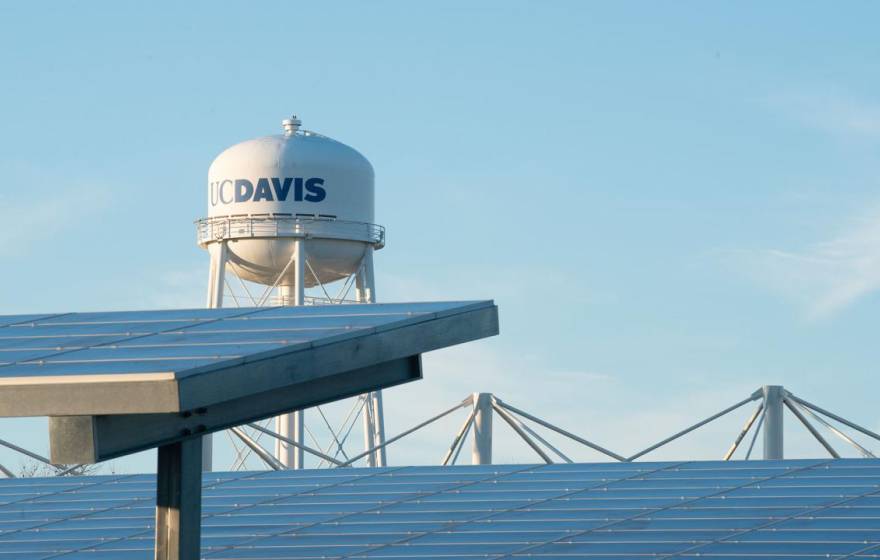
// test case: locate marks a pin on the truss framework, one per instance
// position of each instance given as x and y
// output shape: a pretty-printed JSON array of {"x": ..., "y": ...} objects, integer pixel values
[
  {"x": 291, "y": 429},
  {"x": 517, "y": 419},
  {"x": 246, "y": 439}
]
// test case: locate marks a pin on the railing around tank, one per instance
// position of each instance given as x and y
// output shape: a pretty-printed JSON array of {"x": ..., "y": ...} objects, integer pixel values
[{"x": 237, "y": 227}]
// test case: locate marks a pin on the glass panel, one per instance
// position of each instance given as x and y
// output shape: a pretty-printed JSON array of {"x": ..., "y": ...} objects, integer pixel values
[
  {"x": 14, "y": 319},
  {"x": 179, "y": 340},
  {"x": 464, "y": 512},
  {"x": 134, "y": 353}
]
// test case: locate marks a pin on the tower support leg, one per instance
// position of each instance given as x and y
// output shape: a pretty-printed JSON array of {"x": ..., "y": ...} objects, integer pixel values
[
  {"x": 299, "y": 437},
  {"x": 179, "y": 500},
  {"x": 773, "y": 422},
  {"x": 378, "y": 427},
  {"x": 299, "y": 272},
  {"x": 216, "y": 283},
  {"x": 374, "y": 414},
  {"x": 481, "y": 453},
  {"x": 216, "y": 274},
  {"x": 368, "y": 430},
  {"x": 370, "y": 273},
  {"x": 291, "y": 425}
]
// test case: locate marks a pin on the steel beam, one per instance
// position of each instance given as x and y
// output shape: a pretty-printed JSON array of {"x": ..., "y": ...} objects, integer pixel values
[
  {"x": 481, "y": 453},
  {"x": 299, "y": 271},
  {"x": 815, "y": 433},
  {"x": 289, "y": 441},
  {"x": 512, "y": 422},
  {"x": 773, "y": 421},
  {"x": 532, "y": 432},
  {"x": 391, "y": 440},
  {"x": 216, "y": 274},
  {"x": 216, "y": 283},
  {"x": 264, "y": 455},
  {"x": 291, "y": 425},
  {"x": 299, "y": 419},
  {"x": 178, "y": 500},
  {"x": 833, "y": 416},
  {"x": 24, "y": 451},
  {"x": 559, "y": 430},
  {"x": 755, "y": 436},
  {"x": 373, "y": 411},
  {"x": 458, "y": 437},
  {"x": 694, "y": 427},
  {"x": 91, "y": 439},
  {"x": 378, "y": 427},
  {"x": 368, "y": 431},
  {"x": 467, "y": 430},
  {"x": 835, "y": 431},
  {"x": 743, "y": 432}
]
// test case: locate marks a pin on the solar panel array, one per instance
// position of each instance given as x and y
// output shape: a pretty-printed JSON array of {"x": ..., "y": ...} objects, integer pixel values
[
  {"x": 132, "y": 342},
  {"x": 754, "y": 509}
]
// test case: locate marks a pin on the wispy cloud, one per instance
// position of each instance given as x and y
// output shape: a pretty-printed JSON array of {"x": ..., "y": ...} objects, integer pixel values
[
  {"x": 834, "y": 111},
  {"x": 826, "y": 277},
  {"x": 26, "y": 221}
]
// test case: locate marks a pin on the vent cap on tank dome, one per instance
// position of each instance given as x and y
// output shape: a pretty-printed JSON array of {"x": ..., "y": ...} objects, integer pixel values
[{"x": 291, "y": 125}]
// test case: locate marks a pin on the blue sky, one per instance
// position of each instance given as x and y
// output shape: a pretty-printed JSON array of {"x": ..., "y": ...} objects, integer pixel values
[{"x": 672, "y": 204}]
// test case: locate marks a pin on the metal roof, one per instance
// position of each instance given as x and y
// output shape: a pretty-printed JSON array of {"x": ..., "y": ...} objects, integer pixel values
[
  {"x": 706, "y": 509},
  {"x": 175, "y": 360}
]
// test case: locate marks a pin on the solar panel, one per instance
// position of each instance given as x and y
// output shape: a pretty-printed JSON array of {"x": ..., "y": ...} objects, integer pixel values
[
  {"x": 115, "y": 383},
  {"x": 758, "y": 509},
  {"x": 220, "y": 367},
  {"x": 174, "y": 360},
  {"x": 179, "y": 341}
]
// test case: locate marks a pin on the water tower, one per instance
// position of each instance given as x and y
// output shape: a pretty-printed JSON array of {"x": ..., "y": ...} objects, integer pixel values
[{"x": 294, "y": 211}]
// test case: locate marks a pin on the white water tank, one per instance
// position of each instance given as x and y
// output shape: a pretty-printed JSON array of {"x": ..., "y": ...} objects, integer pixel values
[{"x": 265, "y": 192}]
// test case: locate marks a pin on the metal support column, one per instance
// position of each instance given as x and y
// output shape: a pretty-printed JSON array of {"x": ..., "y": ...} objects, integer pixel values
[
  {"x": 216, "y": 283},
  {"x": 368, "y": 278},
  {"x": 378, "y": 412},
  {"x": 179, "y": 500},
  {"x": 299, "y": 271},
  {"x": 773, "y": 421},
  {"x": 216, "y": 273},
  {"x": 362, "y": 294},
  {"x": 374, "y": 416},
  {"x": 378, "y": 427},
  {"x": 368, "y": 430},
  {"x": 291, "y": 425},
  {"x": 481, "y": 453}
]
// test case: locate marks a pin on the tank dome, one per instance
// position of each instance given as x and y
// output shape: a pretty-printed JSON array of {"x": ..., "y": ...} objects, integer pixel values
[{"x": 265, "y": 191}]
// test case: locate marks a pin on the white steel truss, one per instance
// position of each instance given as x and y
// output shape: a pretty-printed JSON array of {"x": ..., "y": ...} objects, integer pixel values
[
  {"x": 290, "y": 429},
  {"x": 246, "y": 440}
]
